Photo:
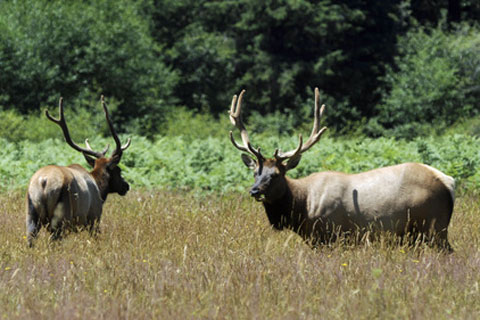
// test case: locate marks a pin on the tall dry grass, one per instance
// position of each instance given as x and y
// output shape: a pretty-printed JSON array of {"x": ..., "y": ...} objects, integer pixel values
[{"x": 182, "y": 256}]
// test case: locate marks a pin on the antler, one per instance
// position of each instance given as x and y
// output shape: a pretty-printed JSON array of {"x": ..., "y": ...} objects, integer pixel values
[
  {"x": 314, "y": 136},
  {"x": 61, "y": 122},
  {"x": 236, "y": 119},
  {"x": 119, "y": 148}
]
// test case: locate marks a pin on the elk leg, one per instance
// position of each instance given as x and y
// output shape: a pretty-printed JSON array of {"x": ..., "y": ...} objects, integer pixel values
[
  {"x": 33, "y": 223},
  {"x": 33, "y": 226},
  {"x": 94, "y": 227},
  {"x": 56, "y": 228},
  {"x": 60, "y": 213},
  {"x": 433, "y": 234},
  {"x": 443, "y": 243},
  {"x": 440, "y": 239}
]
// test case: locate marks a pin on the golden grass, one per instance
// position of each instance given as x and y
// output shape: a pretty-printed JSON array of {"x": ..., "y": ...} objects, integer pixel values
[{"x": 180, "y": 256}]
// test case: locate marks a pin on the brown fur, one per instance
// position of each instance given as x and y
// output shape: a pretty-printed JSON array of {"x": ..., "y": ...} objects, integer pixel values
[
  {"x": 407, "y": 199},
  {"x": 60, "y": 197},
  {"x": 68, "y": 197}
]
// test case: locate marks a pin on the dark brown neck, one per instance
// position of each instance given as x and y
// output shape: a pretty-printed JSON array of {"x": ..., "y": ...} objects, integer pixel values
[
  {"x": 101, "y": 177},
  {"x": 288, "y": 210}
]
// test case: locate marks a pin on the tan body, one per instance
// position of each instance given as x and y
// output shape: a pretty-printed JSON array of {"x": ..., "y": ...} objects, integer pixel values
[
  {"x": 67, "y": 195},
  {"x": 407, "y": 198}
]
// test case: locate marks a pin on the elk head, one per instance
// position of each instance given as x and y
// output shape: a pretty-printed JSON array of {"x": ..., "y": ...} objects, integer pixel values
[
  {"x": 270, "y": 182},
  {"x": 106, "y": 171}
]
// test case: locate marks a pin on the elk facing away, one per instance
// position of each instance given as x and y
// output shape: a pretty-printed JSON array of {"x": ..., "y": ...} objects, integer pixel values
[
  {"x": 409, "y": 199},
  {"x": 60, "y": 197}
]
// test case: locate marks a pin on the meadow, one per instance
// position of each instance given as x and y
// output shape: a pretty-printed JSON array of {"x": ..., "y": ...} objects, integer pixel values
[
  {"x": 188, "y": 242},
  {"x": 177, "y": 255}
]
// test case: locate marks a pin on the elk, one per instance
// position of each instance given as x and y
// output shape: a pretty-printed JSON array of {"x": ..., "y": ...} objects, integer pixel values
[
  {"x": 411, "y": 200},
  {"x": 61, "y": 197}
]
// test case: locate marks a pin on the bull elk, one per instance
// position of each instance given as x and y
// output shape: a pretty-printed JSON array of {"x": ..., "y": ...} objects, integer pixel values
[
  {"x": 410, "y": 200},
  {"x": 61, "y": 197}
]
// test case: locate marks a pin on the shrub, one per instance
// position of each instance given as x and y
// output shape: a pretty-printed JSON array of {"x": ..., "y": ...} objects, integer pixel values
[
  {"x": 81, "y": 49},
  {"x": 435, "y": 81},
  {"x": 85, "y": 119},
  {"x": 214, "y": 165},
  {"x": 191, "y": 124}
]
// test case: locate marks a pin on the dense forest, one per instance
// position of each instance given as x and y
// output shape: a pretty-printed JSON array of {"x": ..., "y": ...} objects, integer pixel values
[{"x": 387, "y": 67}]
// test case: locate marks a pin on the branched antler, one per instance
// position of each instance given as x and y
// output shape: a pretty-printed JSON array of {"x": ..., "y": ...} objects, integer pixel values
[
  {"x": 314, "y": 136},
  {"x": 117, "y": 153},
  {"x": 119, "y": 148},
  {"x": 236, "y": 119},
  {"x": 61, "y": 122}
]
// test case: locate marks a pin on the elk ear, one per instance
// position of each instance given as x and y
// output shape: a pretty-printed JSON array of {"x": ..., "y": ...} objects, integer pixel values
[
  {"x": 293, "y": 161},
  {"x": 249, "y": 162},
  {"x": 90, "y": 160}
]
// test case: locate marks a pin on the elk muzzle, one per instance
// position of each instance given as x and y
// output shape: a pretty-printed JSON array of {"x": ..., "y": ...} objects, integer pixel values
[
  {"x": 124, "y": 189},
  {"x": 257, "y": 193}
]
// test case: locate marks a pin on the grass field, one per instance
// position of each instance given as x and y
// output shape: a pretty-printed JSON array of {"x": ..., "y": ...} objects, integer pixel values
[{"x": 181, "y": 256}]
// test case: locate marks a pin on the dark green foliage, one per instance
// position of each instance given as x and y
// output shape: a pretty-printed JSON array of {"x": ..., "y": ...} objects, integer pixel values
[
  {"x": 154, "y": 58},
  {"x": 435, "y": 82},
  {"x": 85, "y": 119},
  {"x": 196, "y": 46},
  {"x": 279, "y": 51},
  {"x": 79, "y": 50},
  {"x": 431, "y": 12}
]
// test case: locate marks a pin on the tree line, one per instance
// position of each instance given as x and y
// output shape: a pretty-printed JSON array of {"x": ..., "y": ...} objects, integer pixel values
[{"x": 386, "y": 64}]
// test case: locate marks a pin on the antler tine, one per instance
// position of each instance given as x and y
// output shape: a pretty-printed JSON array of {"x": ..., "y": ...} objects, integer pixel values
[
  {"x": 233, "y": 111},
  {"x": 60, "y": 111},
  {"x": 316, "y": 111},
  {"x": 256, "y": 152},
  {"x": 126, "y": 145},
  {"x": 314, "y": 136},
  {"x": 316, "y": 133},
  {"x": 236, "y": 145},
  {"x": 63, "y": 125},
  {"x": 285, "y": 155},
  {"x": 119, "y": 148},
  {"x": 104, "y": 152},
  {"x": 236, "y": 119}
]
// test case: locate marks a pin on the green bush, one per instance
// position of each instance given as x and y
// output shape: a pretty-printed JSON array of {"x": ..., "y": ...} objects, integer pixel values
[
  {"x": 191, "y": 124},
  {"x": 80, "y": 49},
  {"x": 435, "y": 82},
  {"x": 214, "y": 165},
  {"x": 85, "y": 119}
]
